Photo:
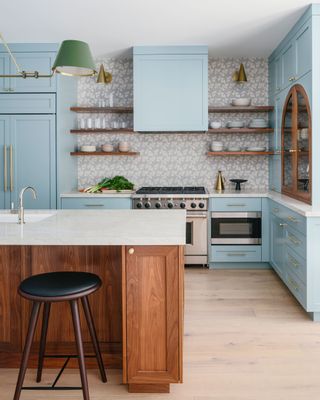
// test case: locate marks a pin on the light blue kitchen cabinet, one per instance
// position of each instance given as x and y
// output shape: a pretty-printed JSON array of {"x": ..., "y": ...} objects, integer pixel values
[
  {"x": 96, "y": 203},
  {"x": 30, "y": 57},
  {"x": 27, "y": 158},
  {"x": 235, "y": 204},
  {"x": 32, "y": 143},
  {"x": 4, "y": 70},
  {"x": 277, "y": 245},
  {"x": 4, "y": 133},
  {"x": 170, "y": 88},
  {"x": 288, "y": 64},
  {"x": 27, "y": 103},
  {"x": 303, "y": 49},
  {"x": 30, "y": 62},
  {"x": 236, "y": 254}
]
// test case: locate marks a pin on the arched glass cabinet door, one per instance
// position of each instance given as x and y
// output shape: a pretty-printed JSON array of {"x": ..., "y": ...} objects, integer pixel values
[{"x": 296, "y": 145}]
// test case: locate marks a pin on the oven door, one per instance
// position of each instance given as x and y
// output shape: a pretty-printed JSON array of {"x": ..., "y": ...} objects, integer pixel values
[
  {"x": 235, "y": 228},
  {"x": 196, "y": 249}
]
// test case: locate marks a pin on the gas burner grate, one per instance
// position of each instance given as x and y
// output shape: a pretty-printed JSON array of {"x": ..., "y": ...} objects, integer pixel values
[{"x": 171, "y": 190}]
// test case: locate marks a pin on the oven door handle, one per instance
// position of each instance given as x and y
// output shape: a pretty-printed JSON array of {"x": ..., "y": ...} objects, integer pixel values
[{"x": 190, "y": 216}]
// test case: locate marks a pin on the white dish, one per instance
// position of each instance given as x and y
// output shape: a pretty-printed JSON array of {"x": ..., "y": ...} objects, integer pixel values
[
  {"x": 234, "y": 149},
  {"x": 107, "y": 148},
  {"x": 242, "y": 102},
  {"x": 88, "y": 149},
  {"x": 215, "y": 124},
  {"x": 256, "y": 149},
  {"x": 235, "y": 124}
]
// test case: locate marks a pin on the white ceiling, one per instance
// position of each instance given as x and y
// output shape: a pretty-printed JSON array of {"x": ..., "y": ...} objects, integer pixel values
[{"x": 228, "y": 27}]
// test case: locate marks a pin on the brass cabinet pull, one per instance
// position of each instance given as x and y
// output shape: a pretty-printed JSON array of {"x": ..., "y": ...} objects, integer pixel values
[
  {"x": 131, "y": 250},
  {"x": 292, "y": 150},
  {"x": 282, "y": 225},
  {"x": 236, "y": 205},
  {"x": 237, "y": 254},
  {"x": 293, "y": 240},
  {"x": 294, "y": 284},
  {"x": 5, "y": 172},
  {"x": 11, "y": 168},
  {"x": 292, "y": 219},
  {"x": 94, "y": 205},
  {"x": 294, "y": 262}
]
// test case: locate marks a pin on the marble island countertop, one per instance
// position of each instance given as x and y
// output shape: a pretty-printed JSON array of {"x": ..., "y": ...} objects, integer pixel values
[{"x": 101, "y": 227}]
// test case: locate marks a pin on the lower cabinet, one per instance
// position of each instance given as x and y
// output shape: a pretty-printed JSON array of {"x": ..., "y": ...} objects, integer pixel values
[
  {"x": 153, "y": 304},
  {"x": 235, "y": 253},
  {"x": 95, "y": 203},
  {"x": 277, "y": 241}
]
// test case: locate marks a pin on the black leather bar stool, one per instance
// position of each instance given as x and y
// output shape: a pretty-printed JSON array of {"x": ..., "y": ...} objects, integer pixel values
[{"x": 55, "y": 287}]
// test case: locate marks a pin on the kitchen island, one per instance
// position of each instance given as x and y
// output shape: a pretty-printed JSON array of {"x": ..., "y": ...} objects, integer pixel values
[{"x": 138, "y": 312}]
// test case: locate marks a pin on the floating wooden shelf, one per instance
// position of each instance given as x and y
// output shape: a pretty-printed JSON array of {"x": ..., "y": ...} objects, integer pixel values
[
  {"x": 104, "y": 153},
  {"x": 106, "y": 110},
  {"x": 105, "y": 130},
  {"x": 240, "y": 153},
  {"x": 236, "y": 109},
  {"x": 241, "y": 130}
]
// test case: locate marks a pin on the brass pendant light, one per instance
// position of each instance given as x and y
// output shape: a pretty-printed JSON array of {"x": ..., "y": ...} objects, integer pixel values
[
  {"x": 103, "y": 76},
  {"x": 240, "y": 76}
]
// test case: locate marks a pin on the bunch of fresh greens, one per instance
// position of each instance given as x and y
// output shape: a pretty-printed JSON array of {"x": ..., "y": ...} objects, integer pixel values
[{"x": 117, "y": 183}]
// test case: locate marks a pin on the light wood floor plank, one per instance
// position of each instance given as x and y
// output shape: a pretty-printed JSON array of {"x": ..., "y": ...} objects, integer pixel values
[{"x": 246, "y": 338}]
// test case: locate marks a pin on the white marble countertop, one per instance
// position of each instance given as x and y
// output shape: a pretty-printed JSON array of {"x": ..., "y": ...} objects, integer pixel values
[
  {"x": 112, "y": 193},
  {"x": 98, "y": 227},
  {"x": 239, "y": 193}
]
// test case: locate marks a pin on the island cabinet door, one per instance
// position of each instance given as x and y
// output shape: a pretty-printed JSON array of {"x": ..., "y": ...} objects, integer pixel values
[
  {"x": 12, "y": 259},
  {"x": 153, "y": 297}
]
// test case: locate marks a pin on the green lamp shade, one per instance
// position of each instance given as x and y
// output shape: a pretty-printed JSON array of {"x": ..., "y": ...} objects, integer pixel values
[{"x": 74, "y": 58}]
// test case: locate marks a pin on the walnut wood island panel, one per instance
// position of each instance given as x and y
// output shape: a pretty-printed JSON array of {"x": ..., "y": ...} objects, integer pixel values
[{"x": 138, "y": 312}]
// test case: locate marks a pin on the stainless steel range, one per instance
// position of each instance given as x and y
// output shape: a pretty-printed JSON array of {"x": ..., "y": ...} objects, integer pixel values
[{"x": 194, "y": 199}]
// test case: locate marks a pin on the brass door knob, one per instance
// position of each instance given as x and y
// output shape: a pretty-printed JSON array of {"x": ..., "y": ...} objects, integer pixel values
[{"x": 131, "y": 250}]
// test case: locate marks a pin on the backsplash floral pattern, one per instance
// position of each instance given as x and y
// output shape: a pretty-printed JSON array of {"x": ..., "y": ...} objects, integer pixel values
[{"x": 177, "y": 159}]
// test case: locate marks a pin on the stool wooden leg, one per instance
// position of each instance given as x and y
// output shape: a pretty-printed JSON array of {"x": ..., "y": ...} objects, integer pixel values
[
  {"x": 43, "y": 339},
  {"x": 26, "y": 351},
  {"x": 93, "y": 334},
  {"x": 78, "y": 336}
]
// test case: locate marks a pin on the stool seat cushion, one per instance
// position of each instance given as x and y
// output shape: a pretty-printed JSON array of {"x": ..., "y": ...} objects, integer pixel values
[{"x": 56, "y": 284}]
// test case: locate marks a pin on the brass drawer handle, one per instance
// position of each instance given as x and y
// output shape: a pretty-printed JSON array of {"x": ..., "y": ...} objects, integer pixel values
[
  {"x": 293, "y": 240},
  {"x": 237, "y": 254},
  {"x": 282, "y": 225},
  {"x": 93, "y": 205},
  {"x": 294, "y": 262},
  {"x": 11, "y": 168},
  {"x": 236, "y": 205},
  {"x": 5, "y": 171},
  {"x": 131, "y": 250},
  {"x": 294, "y": 284},
  {"x": 292, "y": 219}
]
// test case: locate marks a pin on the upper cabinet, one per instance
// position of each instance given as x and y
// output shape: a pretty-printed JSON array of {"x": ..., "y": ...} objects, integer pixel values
[
  {"x": 28, "y": 60},
  {"x": 170, "y": 88},
  {"x": 296, "y": 145},
  {"x": 292, "y": 61}
]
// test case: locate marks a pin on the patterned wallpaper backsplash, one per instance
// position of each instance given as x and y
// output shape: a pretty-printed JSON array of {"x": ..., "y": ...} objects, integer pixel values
[{"x": 177, "y": 159}]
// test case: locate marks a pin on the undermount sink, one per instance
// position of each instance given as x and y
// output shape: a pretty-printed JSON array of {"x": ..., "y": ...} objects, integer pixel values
[{"x": 13, "y": 218}]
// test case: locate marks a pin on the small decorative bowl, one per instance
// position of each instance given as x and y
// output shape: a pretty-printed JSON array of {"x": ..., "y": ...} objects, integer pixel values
[{"x": 88, "y": 148}]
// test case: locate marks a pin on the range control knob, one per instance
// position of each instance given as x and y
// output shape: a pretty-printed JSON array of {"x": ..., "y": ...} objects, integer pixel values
[
  {"x": 193, "y": 205},
  {"x": 170, "y": 204},
  {"x": 147, "y": 204},
  {"x": 158, "y": 204},
  {"x": 201, "y": 205},
  {"x": 183, "y": 205},
  {"x": 139, "y": 205}
]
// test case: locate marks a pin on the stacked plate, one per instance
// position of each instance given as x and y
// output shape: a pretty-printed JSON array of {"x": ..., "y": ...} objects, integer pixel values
[
  {"x": 258, "y": 123},
  {"x": 256, "y": 149},
  {"x": 235, "y": 124}
]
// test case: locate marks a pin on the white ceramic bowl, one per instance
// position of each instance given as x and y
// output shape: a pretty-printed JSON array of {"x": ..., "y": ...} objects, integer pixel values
[
  {"x": 215, "y": 124},
  {"x": 216, "y": 146},
  {"x": 107, "y": 148},
  {"x": 124, "y": 146},
  {"x": 88, "y": 148},
  {"x": 242, "y": 102}
]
